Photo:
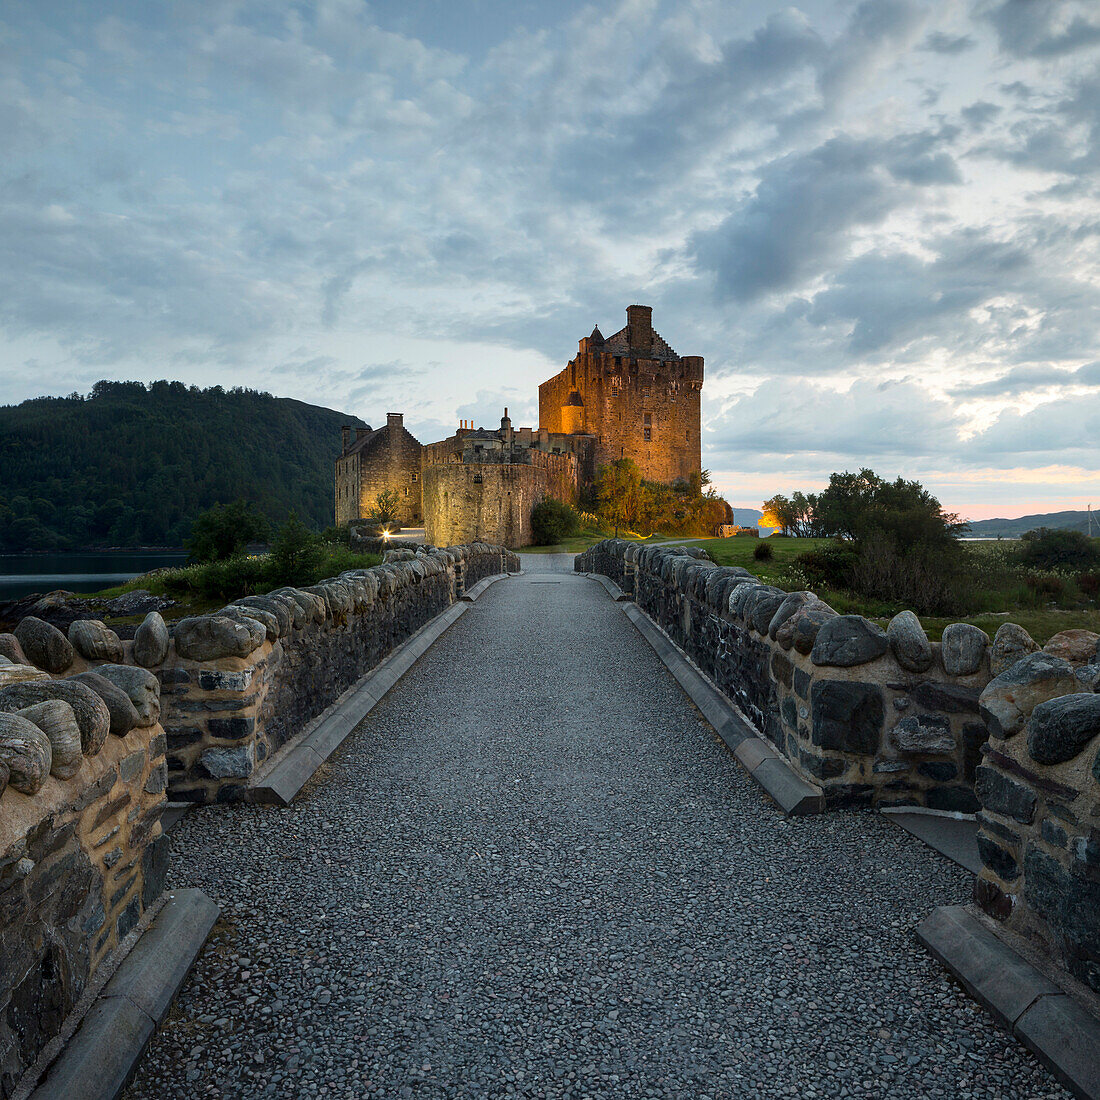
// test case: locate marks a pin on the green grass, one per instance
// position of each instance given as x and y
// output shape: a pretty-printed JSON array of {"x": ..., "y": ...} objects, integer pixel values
[{"x": 999, "y": 594}]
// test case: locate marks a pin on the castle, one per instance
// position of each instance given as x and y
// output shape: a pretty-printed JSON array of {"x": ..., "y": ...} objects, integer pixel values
[{"x": 628, "y": 395}]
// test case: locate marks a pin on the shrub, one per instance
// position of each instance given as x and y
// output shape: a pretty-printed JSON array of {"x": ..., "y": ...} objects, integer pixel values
[
  {"x": 1046, "y": 548},
  {"x": 762, "y": 551},
  {"x": 1089, "y": 583},
  {"x": 1046, "y": 584},
  {"x": 830, "y": 566},
  {"x": 552, "y": 521},
  {"x": 924, "y": 577}
]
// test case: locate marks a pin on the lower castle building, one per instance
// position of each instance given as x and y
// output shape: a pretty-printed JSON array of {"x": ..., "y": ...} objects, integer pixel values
[{"x": 627, "y": 396}]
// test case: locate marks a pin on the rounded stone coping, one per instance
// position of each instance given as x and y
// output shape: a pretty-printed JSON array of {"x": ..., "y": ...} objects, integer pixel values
[{"x": 20, "y": 813}]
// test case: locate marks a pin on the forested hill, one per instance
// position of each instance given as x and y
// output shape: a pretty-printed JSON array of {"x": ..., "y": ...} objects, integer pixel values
[
  {"x": 1014, "y": 528},
  {"x": 132, "y": 465}
]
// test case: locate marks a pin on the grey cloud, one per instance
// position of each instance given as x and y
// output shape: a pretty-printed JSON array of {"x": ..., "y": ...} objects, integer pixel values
[
  {"x": 980, "y": 114},
  {"x": 1064, "y": 430},
  {"x": 1016, "y": 381},
  {"x": 799, "y": 218},
  {"x": 1038, "y": 28},
  {"x": 950, "y": 44}
]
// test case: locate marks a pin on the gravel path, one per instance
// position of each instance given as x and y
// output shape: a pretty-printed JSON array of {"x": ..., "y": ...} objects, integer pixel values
[{"x": 535, "y": 871}]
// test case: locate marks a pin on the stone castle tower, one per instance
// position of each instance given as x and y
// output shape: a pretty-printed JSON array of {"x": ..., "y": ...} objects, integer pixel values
[{"x": 634, "y": 395}]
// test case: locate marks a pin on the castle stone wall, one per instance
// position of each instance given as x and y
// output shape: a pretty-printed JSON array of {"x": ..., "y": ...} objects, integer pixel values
[
  {"x": 389, "y": 460},
  {"x": 483, "y": 502},
  {"x": 81, "y": 859}
]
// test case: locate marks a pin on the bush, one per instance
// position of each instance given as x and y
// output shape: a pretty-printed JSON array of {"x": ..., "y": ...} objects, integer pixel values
[
  {"x": 1089, "y": 583},
  {"x": 552, "y": 521},
  {"x": 1046, "y": 548},
  {"x": 763, "y": 551},
  {"x": 830, "y": 566},
  {"x": 1049, "y": 585},
  {"x": 924, "y": 577}
]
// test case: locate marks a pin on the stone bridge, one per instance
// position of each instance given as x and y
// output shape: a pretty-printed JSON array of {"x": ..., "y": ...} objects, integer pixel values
[{"x": 534, "y": 869}]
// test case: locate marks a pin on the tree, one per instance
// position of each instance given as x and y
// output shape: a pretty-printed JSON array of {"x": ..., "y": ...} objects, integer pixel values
[
  {"x": 796, "y": 515},
  {"x": 296, "y": 552},
  {"x": 1045, "y": 548},
  {"x": 619, "y": 493},
  {"x": 553, "y": 520},
  {"x": 223, "y": 531},
  {"x": 386, "y": 506}
]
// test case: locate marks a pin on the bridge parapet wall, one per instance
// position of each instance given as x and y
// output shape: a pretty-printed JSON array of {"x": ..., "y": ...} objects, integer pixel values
[
  {"x": 237, "y": 684},
  {"x": 888, "y": 718},
  {"x": 82, "y": 855},
  {"x": 828, "y": 691}
]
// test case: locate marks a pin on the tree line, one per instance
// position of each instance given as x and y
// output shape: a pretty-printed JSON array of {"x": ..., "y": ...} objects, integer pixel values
[{"x": 134, "y": 465}]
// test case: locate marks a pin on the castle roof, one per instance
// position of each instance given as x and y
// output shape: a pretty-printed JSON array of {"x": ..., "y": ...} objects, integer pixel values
[
  {"x": 371, "y": 439},
  {"x": 619, "y": 344}
]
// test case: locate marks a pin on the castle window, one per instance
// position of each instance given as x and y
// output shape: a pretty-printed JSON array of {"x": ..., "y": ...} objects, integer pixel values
[
  {"x": 647, "y": 434},
  {"x": 477, "y": 479},
  {"x": 647, "y": 419},
  {"x": 414, "y": 477}
]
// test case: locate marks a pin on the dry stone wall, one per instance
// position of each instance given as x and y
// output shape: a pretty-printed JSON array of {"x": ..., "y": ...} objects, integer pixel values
[{"x": 82, "y": 855}]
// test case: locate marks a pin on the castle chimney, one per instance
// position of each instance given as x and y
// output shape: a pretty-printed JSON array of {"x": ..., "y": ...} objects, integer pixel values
[
  {"x": 345, "y": 432},
  {"x": 362, "y": 433},
  {"x": 639, "y": 320},
  {"x": 395, "y": 420}
]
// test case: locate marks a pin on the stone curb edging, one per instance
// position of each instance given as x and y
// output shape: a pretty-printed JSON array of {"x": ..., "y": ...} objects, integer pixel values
[
  {"x": 99, "y": 1060},
  {"x": 473, "y": 593},
  {"x": 295, "y": 765},
  {"x": 794, "y": 796},
  {"x": 613, "y": 590},
  {"x": 1052, "y": 1024}
]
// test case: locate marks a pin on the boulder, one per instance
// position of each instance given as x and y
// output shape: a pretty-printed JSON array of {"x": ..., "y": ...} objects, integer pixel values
[
  {"x": 273, "y": 605},
  {"x": 10, "y": 648},
  {"x": 803, "y": 627},
  {"x": 1060, "y": 728},
  {"x": 1009, "y": 699},
  {"x": 25, "y": 751},
  {"x": 56, "y": 720},
  {"x": 18, "y": 674},
  {"x": 123, "y": 714},
  {"x": 151, "y": 641},
  {"x": 45, "y": 645},
  {"x": 208, "y": 637},
  {"x": 740, "y": 594},
  {"x": 1000, "y": 794},
  {"x": 760, "y": 605},
  {"x": 268, "y": 623},
  {"x": 848, "y": 640},
  {"x": 924, "y": 733},
  {"x": 909, "y": 643},
  {"x": 142, "y": 688},
  {"x": 1010, "y": 644},
  {"x": 312, "y": 605},
  {"x": 962, "y": 648},
  {"x": 790, "y": 606},
  {"x": 1079, "y": 647},
  {"x": 95, "y": 641},
  {"x": 93, "y": 719}
]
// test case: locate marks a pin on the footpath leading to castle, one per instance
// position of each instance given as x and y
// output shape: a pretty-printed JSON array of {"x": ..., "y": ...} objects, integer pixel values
[{"x": 533, "y": 870}]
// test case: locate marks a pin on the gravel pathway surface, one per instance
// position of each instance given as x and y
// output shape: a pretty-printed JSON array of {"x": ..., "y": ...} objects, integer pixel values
[{"x": 535, "y": 871}]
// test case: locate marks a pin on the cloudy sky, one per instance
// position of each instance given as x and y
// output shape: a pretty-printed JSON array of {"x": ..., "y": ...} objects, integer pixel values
[{"x": 877, "y": 220}]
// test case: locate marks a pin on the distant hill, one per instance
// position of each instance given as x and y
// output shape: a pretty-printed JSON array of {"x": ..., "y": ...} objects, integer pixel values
[
  {"x": 747, "y": 517},
  {"x": 132, "y": 465},
  {"x": 1014, "y": 528}
]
